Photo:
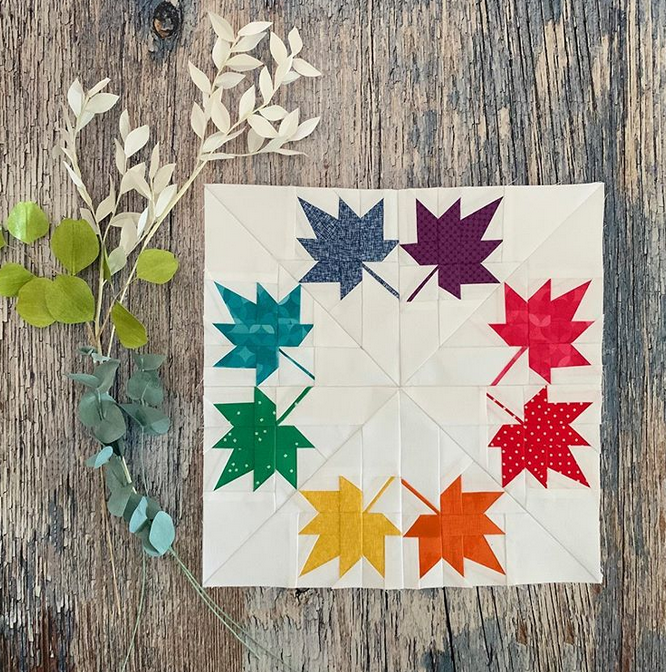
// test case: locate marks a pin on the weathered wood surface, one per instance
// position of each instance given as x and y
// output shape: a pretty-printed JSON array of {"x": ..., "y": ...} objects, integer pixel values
[{"x": 415, "y": 92}]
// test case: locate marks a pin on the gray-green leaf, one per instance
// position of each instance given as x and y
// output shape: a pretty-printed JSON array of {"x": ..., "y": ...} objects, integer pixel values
[
  {"x": 27, "y": 222},
  {"x": 151, "y": 420},
  {"x": 104, "y": 455},
  {"x": 162, "y": 532},
  {"x": 118, "y": 500},
  {"x": 139, "y": 517},
  {"x": 145, "y": 386},
  {"x": 149, "y": 362}
]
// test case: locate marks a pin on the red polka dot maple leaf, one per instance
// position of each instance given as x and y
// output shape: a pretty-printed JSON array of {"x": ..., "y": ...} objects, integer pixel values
[
  {"x": 541, "y": 440},
  {"x": 457, "y": 530},
  {"x": 544, "y": 327}
]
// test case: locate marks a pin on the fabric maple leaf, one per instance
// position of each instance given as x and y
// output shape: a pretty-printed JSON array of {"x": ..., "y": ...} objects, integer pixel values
[
  {"x": 259, "y": 441},
  {"x": 344, "y": 244},
  {"x": 454, "y": 246},
  {"x": 457, "y": 530},
  {"x": 545, "y": 327},
  {"x": 260, "y": 330},
  {"x": 541, "y": 440},
  {"x": 345, "y": 529}
]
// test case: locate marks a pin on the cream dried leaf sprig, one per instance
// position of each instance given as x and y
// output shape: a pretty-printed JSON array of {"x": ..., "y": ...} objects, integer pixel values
[{"x": 114, "y": 235}]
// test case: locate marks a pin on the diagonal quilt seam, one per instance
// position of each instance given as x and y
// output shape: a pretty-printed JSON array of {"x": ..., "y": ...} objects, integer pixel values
[
  {"x": 500, "y": 285},
  {"x": 297, "y": 491},
  {"x": 289, "y": 274},
  {"x": 508, "y": 494}
]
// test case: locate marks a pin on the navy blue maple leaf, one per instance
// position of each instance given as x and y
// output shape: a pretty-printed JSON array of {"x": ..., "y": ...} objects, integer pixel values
[{"x": 344, "y": 244}]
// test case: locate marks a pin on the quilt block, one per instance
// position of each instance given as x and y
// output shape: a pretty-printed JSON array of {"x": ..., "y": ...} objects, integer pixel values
[{"x": 402, "y": 389}]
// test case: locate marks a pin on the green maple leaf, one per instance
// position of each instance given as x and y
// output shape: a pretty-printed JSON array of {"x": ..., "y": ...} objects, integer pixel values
[{"x": 259, "y": 441}]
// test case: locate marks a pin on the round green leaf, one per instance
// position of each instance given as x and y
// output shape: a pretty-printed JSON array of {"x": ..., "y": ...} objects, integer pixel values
[
  {"x": 70, "y": 300},
  {"x": 32, "y": 305},
  {"x": 162, "y": 532},
  {"x": 27, "y": 222},
  {"x": 131, "y": 332},
  {"x": 12, "y": 278},
  {"x": 74, "y": 244},
  {"x": 3, "y": 242},
  {"x": 157, "y": 266}
]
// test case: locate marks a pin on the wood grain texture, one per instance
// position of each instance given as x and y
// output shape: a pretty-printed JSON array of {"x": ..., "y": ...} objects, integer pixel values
[{"x": 415, "y": 93}]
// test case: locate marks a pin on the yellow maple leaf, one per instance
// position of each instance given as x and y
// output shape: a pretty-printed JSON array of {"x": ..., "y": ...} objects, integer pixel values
[{"x": 345, "y": 529}]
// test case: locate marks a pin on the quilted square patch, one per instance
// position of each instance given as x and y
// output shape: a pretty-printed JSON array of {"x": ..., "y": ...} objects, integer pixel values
[{"x": 402, "y": 388}]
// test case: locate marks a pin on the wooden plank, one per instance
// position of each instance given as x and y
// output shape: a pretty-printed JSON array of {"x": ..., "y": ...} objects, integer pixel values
[{"x": 415, "y": 93}]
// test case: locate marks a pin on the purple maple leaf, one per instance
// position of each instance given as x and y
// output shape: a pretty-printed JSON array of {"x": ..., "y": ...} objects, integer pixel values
[{"x": 454, "y": 246}]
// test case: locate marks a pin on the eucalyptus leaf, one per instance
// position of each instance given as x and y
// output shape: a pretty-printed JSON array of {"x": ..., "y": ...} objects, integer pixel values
[
  {"x": 113, "y": 426},
  {"x": 75, "y": 244},
  {"x": 117, "y": 478},
  {"x": 144, "y": 535},
  {"x": 118, "y": 500},
  {"x": 114, "y": 474},
  {"x": 153, "y": 508},
  {"x": 149, "y": 362},
  {"x": 156, "y": 266},
  {"x": 70, "y": 300},
  {"x": 131, "y": 333},
  {"x": 106, "y": 374},
  {"x": 32, "y": 305},
  {"x": 151, "y": 420},
  {"x": 3, "y": 242},
  {"x": 162, "y": 532},
  {"x": 139, "y": 517},
  {"x": 90, "y": 409},
  {"x": 145, "y": 386},
  {"x": 86, "y": 379},
  {"x": 133, "y": 501},
  {"x": 27, "y": 222},
  {"x": 12, "y": 278},
  {"x": 101, "y": 458}
]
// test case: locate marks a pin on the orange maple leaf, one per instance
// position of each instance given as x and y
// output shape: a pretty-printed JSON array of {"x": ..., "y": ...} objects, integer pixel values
[{"x": 456, "y": 530}]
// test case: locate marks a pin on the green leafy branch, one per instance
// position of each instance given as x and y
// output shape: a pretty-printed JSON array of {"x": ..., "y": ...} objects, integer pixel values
[{"x": 113, "y": 236}]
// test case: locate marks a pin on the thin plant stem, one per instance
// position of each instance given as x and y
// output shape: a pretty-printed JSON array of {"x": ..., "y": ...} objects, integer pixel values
[
  {"x": 224, "y": 616},
  {"x": 139, "y": 612},
  {"x": 109, "y": 542},
  {"x": 214, "y": 608}
]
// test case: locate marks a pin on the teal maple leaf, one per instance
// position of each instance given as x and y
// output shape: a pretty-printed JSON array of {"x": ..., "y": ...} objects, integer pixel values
[
  {"x": 259, "y": 441},
  {"x": 260, "y": 330}
]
